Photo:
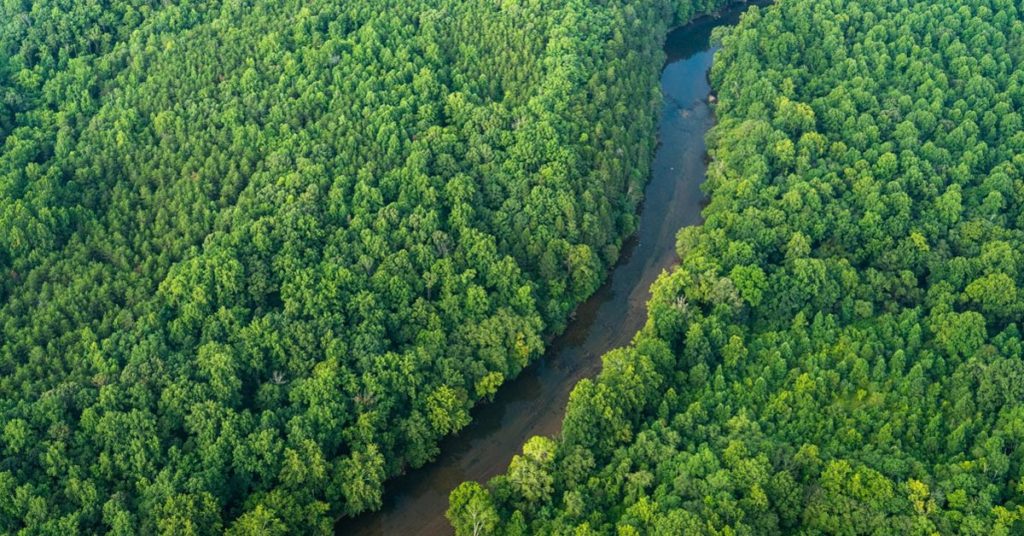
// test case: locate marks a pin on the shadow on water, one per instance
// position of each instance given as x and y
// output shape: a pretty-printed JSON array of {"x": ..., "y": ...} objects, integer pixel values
[{"x": 534, "y": 403}]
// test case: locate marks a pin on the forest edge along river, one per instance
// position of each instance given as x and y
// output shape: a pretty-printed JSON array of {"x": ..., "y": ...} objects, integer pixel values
[{"x": 534, "y": 403}]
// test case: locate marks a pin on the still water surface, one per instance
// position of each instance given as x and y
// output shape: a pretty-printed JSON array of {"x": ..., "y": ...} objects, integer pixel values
[{"x": 534, "y": 403}]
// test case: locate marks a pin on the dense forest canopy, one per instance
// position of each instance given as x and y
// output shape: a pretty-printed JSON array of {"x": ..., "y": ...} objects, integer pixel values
[
  {"x": 256, "y": 256},
  {"x": 840, "y": 350}
]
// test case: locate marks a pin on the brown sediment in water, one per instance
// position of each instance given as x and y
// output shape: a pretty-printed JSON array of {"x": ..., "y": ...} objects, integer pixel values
[{"x": 534, "y": 403}]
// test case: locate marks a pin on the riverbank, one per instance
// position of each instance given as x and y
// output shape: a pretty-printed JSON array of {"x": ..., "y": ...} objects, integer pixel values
[{"x": 534, "y": 403}]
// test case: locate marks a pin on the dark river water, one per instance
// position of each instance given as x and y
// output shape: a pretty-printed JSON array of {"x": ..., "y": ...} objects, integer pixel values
[{"x": 534, "y": 403}]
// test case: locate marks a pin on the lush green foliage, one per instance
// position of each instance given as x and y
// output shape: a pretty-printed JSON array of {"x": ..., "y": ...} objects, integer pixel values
[
  {"x": 840, "y": 350},
  {"x": 258, "y": 255}
]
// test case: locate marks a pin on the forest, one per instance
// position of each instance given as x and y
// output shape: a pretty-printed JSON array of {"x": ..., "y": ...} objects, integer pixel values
[
  {"x": 839, "y": 351},
  {"x": 258, "y": 256}
]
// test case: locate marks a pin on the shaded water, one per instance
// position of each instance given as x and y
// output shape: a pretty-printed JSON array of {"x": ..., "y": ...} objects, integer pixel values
[{"x": 534, "y": 403}]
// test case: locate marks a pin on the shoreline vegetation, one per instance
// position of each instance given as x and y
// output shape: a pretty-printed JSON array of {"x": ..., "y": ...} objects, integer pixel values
[
  {"x": 534, "y": 403},
  {"x": 257, "y": 257},
  {"x": 840, "y": 349}
]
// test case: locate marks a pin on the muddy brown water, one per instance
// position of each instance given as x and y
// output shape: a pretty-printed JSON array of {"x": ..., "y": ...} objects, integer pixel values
[{"x": 534, "y": 403}]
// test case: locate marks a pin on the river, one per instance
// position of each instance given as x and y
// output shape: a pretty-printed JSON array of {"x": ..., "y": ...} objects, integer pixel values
[{"x": 534, "y": 403}]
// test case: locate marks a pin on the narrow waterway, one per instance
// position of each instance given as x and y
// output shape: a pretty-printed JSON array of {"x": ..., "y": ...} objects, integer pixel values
[{"x": 534, "y": 403}]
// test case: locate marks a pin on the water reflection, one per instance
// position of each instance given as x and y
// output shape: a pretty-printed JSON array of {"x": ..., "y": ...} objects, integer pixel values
[{"x": 534, "y": 403}]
